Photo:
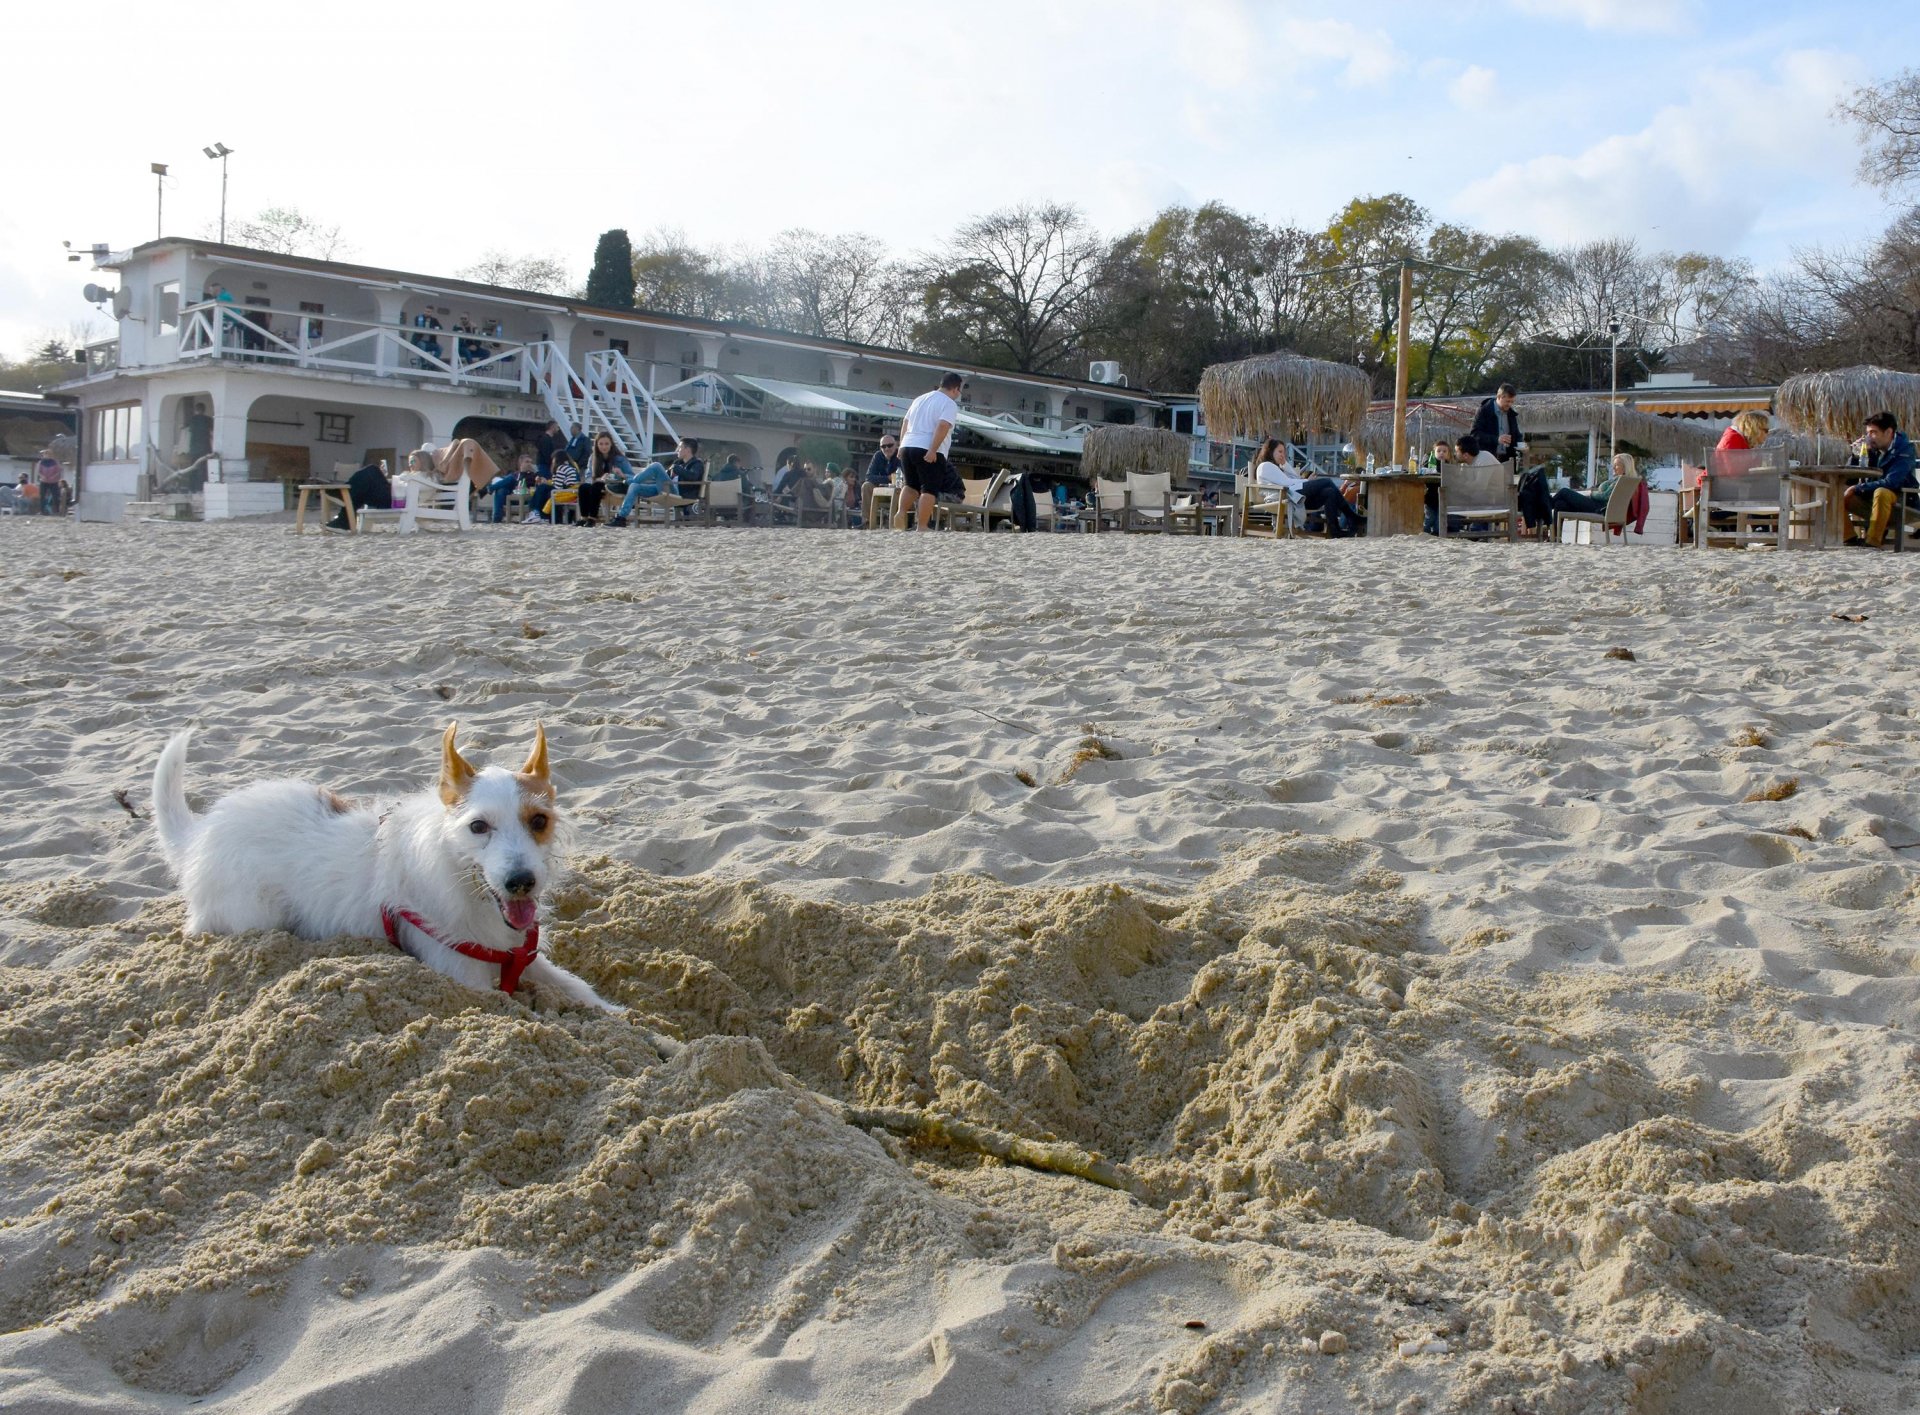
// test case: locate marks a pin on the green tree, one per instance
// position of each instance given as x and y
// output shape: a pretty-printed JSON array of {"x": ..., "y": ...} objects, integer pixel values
[{"x": 610, "y": 283}]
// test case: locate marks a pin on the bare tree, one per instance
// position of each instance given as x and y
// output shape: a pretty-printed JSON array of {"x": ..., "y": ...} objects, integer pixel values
[
  {"x": 542, "y": 274},
  {"x": 1013, "y": 288},
  {"x": 286, "y": 230},
  {"x": 674, "y": 276},
  {"x": 836, "y": 287},
  {"x": 1888, "y": 118}
]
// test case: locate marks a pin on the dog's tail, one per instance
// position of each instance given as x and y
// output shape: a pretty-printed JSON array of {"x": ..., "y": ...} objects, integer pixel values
[{"x": 172, "y": 817}]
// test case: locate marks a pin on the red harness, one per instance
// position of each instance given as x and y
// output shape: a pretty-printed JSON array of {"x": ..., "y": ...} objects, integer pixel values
[{"x": 513, "y": 961}]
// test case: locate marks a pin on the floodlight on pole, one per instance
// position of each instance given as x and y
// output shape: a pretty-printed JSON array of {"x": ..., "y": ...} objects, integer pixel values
[
  {"x": 159, "y": 170},
  {"x": 223, "y": 152}
]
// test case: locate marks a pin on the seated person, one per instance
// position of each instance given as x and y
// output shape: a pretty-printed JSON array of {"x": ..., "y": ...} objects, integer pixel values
[
  {"x": 811, "y": 496},
  {"x": 1568, "y": 501},
  {"x": 729, "y": 470},
  {"x": 504, "y": 485},
  {"x": 1889, "y": 452},
  {"x": 1314, "y": 495},
  {"x": 564, "y": 482},
  {"x": 368, "y": 487},
  {"x": 850, "y": 488},
  {"x": 1440, "y": 456},
  {"x": 651, "y": 481},
  {"x": 784, "y": 476},
  {"x": 688, "y": 471}
]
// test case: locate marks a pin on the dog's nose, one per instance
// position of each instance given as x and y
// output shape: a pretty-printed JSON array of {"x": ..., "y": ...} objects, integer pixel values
[{"x": 520, "y": 882}]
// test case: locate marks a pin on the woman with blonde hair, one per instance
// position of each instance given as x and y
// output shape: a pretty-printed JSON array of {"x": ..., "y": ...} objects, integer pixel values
[
  {"x": 1749, "y": 430},
  {"x": 1567, "y": 501}
]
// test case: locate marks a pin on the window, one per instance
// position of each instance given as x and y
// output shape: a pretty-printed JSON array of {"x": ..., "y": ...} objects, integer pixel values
[
  {"x": 117, "y": 433},
  {"x": 334, "y": 427},
  {"x": 619, "y": 346},
  {"x": 1080, "y": 411},
  {"x": 1183, "y": 421},
  {"x": 166, "y": 305}
]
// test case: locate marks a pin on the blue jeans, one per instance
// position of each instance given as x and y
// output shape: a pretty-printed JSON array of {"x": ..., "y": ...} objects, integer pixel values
[
  {"x": 634, "y": 493},
  {"x": 502, "y": 487},
  {"x": 49, "y": 497}
]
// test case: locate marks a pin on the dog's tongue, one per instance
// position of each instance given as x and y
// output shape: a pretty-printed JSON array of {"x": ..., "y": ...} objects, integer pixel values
[{"x": 520, "y": 913}]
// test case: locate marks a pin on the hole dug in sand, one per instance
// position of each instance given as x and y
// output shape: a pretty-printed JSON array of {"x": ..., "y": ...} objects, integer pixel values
[{"x": 1350, "y": 1134}]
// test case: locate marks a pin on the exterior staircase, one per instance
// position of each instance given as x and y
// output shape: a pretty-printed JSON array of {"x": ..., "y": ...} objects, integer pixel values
[{"x": 604, "y": 396}]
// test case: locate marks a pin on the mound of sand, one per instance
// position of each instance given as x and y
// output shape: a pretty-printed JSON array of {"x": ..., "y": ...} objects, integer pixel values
[{"x": 1487, "y": 1192}]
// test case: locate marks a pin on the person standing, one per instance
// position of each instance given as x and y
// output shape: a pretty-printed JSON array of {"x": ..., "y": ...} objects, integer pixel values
[
  {"x": 926, "y": 434},
  {"x": 879, "y": 473},
  {"x": 47, "y": 473},
  {"x": 1496, "y": 427},
  {"x": 551, "y": 440}
]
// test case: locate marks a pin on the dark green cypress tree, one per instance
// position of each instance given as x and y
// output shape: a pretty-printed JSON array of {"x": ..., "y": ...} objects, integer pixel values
[{"x": 610, "y": 283}]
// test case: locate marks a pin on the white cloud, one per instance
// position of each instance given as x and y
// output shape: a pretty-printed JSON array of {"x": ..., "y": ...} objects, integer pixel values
[
  {"x": 1698, "y": 175},
  {"x": 1639, "y": 16},
  {"x": 1476, "y": 90},
  {"x": 1365, "y": 57}
]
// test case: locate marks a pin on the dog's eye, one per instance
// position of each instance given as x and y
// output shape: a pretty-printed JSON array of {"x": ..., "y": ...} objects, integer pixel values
[
  {"x": 479, "y": 827},
  {"x": 536, "y": 823}
]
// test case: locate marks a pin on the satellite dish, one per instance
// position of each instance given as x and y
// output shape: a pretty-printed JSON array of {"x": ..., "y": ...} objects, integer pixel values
[
  {"x": 97, "y": 294},
  {"x": 122, "y": 302}
]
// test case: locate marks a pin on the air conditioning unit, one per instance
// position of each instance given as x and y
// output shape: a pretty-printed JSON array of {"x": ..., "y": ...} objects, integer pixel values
[{"x": 1106, "y": 371}]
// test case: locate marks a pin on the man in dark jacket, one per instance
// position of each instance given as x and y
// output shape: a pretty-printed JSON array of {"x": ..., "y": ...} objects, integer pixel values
[
  {"x": 1889, "y": 452},
  {"x": 1496, "y": 428}
]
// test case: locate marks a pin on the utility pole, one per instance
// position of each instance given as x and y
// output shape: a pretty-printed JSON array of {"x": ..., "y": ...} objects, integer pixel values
[
  {"x": 223, "y": 152},
  {"x": 1613, "y": 392},
  {"x": 1400, "y": 367},
  {"x": 159, "y": 170}
]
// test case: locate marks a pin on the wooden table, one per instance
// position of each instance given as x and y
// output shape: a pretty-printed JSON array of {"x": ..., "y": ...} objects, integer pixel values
[
  {"x": 1397, "y": 502},
  {"x": 328, "y": 491},
  {"x": 1833, "y": 529}
]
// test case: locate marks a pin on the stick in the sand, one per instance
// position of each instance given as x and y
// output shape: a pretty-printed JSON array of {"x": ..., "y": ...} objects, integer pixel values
[{"x": 960, "y": 1134}]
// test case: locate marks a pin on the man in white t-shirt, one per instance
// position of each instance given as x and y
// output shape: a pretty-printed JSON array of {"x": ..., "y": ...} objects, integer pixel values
[{"x": 926, "y": 434}]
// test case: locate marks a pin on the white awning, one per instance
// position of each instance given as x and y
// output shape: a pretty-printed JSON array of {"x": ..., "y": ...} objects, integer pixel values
[
  {"x": 824, "y": 398},
  {"x": 827, "y": 398}
]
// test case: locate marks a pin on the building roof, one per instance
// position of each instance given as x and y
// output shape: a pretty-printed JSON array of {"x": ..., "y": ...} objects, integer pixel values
[{"x": 566, "y": 305}]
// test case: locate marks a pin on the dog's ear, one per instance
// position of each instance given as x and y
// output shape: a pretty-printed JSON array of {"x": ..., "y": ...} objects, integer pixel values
[
  {"x": 536, "y": 767},
  {"x": 456, "y": 773}
]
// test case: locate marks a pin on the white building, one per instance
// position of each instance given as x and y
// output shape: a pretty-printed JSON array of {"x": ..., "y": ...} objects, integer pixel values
[{"x": 278, "y": 368}]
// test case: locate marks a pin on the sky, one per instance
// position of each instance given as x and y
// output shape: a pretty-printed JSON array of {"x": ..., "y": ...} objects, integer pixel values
[{"x": 432, "y": 135}]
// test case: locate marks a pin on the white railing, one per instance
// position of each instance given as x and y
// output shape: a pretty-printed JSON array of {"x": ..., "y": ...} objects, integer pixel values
[
  {"x": 217, "y": 329},
  {"x": 606, "y": 395}
]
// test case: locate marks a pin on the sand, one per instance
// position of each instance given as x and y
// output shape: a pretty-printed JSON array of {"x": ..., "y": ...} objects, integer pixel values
[{"x": 1484, "y": 1019}]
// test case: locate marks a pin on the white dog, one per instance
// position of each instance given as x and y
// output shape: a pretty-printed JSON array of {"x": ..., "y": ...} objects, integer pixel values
[{"x": 453, "y": 877}]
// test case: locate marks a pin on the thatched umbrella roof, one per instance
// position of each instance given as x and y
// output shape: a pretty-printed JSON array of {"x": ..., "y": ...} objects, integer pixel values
[
  {"x": 1278, "y": 395},
  {"x": 1838, "y": 402},
  {"x": 1450, "y": 418},
  {"x": 1112, "y": 452}
]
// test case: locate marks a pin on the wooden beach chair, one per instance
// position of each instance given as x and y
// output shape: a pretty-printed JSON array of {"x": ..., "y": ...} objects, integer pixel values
[
  {"x": 1744, "y": 500},
  {"x": 1270, "y": 520},
  {"x": 1149, "y": 502},
  {"x": 969, "y": 513},
  {"x": 1111, "y": 504},
  {"x": 1614, "y": 514},
  {"x": 724, "y": 499},
  {"x": 1481, "y": 496}
]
